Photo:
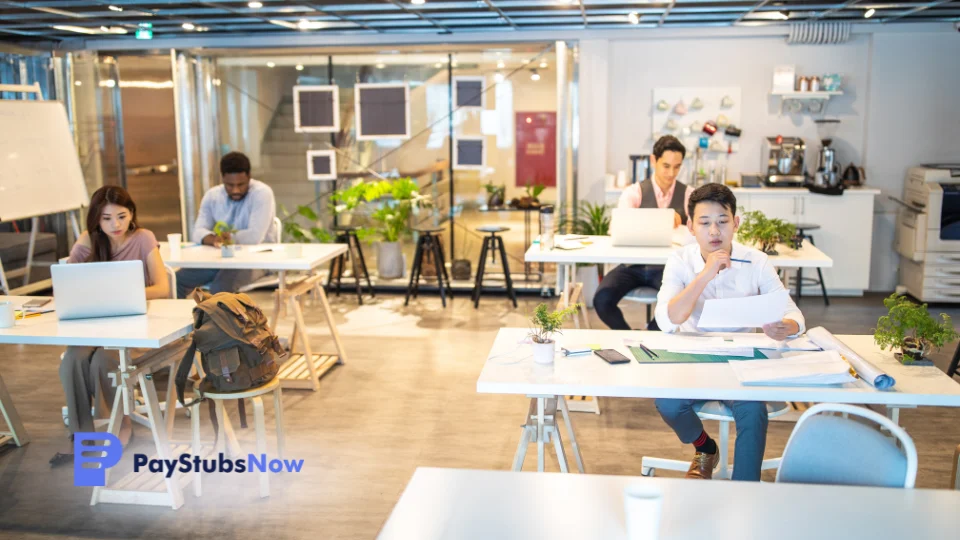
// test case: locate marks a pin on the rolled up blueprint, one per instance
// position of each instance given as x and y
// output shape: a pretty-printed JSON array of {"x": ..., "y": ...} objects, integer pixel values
[{"x": 869, "y": 372}]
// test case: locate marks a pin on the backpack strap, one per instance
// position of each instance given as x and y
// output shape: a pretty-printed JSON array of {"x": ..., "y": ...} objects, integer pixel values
[{"x": 183, "y": 371}]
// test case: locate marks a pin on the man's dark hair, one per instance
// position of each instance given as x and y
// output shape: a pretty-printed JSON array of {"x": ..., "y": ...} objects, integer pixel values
[
  {"x": 234, "y": 162},
  {"x": 668, "y": 142},
  {"x": 717, "y": 193}
]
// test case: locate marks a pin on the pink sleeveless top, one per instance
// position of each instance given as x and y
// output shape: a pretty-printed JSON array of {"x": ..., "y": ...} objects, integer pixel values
[{"x": 137, "y": 248}]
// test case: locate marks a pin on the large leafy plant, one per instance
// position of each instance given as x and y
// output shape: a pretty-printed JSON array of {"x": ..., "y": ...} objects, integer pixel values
[
  {"x": 398, "y": 201},
  {"x": 546, "y": 322},
  {"x": 756, "y": 228},
  {"x": 910, "y": 325},
  {"x": 296, "y": 232},
  {"x": 591, "y": 219}
]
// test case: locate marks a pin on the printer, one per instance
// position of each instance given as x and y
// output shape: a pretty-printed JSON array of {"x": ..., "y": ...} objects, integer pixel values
[{"x": 928, "y": 233}]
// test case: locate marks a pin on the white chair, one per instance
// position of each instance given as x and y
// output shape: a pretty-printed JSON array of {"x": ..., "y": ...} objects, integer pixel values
[
  {"x": 644, "y": 295},
  {"x": 830, "y": 449},
  {"x": 715, "y": 410}
]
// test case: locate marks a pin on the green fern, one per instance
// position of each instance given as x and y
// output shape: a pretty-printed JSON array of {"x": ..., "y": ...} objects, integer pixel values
[
  {"x": 908, "y": 320},
  {"x": 546, "y": 322},
  {"x": 766, "y": 233}
]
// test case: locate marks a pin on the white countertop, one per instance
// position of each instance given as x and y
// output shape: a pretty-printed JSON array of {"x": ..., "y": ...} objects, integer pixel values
[
  {"x": 482, "y": 505},
  {"x": 509, "y": 369},
  {"x": 764, "y": 190},
  {"x": 165, "y": 322},
  {"x": 601, "y": 250},
  {"x": 253, "y": 257}
]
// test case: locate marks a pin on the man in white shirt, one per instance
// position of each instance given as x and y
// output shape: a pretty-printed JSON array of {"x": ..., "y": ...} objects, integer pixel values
[
  {"x": 717, "y": 267},
  {"x": 245, "y": 204},
  {"x": 664, "y": 191}
]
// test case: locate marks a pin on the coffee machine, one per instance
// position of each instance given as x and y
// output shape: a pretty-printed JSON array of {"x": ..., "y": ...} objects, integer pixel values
[
  {"x": 828, "y": 170},
  {"x": 784, "y": 161}
]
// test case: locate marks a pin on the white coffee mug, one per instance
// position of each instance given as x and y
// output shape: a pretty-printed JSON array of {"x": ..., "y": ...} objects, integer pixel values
[
  {"x": 173, "y": 240},
  {"x": 642, "y": 504},
  {"x": 7, "y": 319}
]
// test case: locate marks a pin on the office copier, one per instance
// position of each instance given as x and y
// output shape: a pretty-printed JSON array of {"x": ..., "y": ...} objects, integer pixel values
[{"x": 928, "y": 233}]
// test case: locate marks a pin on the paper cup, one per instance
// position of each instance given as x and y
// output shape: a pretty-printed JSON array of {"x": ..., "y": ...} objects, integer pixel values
[
  {"x": 7, "y": 319},
  {"x": 173, "y": 240},
  {"x": 642, "y": 504}
]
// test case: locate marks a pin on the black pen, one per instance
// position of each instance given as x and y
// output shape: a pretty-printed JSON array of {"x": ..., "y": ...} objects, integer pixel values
[{"x": 650, "y": 353}]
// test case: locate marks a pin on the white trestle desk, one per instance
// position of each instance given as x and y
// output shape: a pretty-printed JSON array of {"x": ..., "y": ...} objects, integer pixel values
[
  {"x": 163, "y": 330},
  {"x": 481, "y": 505},
  {"x": 296, "y": 372},
  {"x": 510, "y": 369}
]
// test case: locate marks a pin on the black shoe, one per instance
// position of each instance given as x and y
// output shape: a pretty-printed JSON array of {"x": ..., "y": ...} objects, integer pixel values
[{"x": 60, "y": 459}]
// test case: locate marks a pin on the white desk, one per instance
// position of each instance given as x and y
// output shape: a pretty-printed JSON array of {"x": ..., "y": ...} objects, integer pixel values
[
  {"x": 465, "y": 504},
  {"x": 301, "y": 370},
  {"x": 166, "y": 322},
  {"x": 588, "y": 375}
]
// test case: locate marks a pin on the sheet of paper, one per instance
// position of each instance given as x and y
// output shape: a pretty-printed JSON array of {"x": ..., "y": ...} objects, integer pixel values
[
  {"x": 814, "y": 369},
  {"x": 569, "y": 244},
  {"x": 761, "y": 341},
  {"x": 698, "y": 345},
  {"x": 746, "y": 312}
]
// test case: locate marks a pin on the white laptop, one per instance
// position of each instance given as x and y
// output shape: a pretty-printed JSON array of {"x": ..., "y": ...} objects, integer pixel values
[
  {"x": 100, "y": 289},
  {"x": 646, "y": 227}
]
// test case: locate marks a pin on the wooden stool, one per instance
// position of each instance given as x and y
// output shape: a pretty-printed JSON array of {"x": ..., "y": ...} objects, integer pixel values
[
  {"x": 429, "y": 242},
  {"x": 258, "y": 421},
  {"x": 492, "y": 244},
  {"x": 801, "y": 232},
  {"x": 348, "y": 235}
]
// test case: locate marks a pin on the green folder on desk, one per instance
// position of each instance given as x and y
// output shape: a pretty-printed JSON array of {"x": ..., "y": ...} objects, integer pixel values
[{"x": 667, "y": 357}]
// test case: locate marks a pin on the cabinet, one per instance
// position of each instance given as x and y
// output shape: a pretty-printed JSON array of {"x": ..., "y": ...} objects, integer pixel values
[{"x": 845, "y": 233}]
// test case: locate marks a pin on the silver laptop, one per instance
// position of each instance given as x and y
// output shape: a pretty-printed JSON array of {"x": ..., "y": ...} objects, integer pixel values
[
  {"x": 646, "y": 227},
  {"x": 101, "y": 289}
]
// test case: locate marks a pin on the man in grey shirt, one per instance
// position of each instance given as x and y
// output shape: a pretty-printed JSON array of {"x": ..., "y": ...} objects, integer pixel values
[{"x": 245, "y": 204}]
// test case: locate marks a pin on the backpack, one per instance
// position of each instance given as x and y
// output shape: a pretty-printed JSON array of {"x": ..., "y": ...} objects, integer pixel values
[{"x": 237, "y": 349}]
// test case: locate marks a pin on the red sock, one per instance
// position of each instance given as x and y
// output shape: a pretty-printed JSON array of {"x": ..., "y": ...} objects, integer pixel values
[{"x": 702, "y": 439}]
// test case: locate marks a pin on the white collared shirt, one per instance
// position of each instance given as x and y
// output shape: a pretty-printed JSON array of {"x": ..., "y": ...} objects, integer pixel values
[{"x": 742, "y": 279}]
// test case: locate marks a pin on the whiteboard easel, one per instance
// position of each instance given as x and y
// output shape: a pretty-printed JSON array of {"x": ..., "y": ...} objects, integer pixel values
[{"x": 62, "y": 192}]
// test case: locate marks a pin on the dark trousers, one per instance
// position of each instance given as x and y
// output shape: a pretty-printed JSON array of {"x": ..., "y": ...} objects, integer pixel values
[
  {"x": 617, "y": 284},
  {"x": 230, "y": 281}
]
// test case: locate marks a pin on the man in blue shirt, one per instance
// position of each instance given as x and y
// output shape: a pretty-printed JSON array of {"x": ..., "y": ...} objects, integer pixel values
[{"x": 245, "y": 204}]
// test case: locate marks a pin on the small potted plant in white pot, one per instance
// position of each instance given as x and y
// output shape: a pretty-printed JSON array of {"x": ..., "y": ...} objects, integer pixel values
[
  {"x": 225, "y": 232},
  {"x": 910, "y": 327},
  {"x": 546, "y": 323}
]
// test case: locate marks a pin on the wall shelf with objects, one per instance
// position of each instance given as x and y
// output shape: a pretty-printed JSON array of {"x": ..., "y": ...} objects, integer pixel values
[{"x": 808, "y": 101}]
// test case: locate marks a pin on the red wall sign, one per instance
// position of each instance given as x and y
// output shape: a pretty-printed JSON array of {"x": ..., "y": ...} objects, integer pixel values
[{"x": 536, "y": 148}]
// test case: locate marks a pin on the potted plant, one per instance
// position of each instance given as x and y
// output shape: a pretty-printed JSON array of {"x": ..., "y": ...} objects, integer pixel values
[
  {"x": 765, "y": 233},
  {"x": 296, "y": 233},
  {"x": 910, "y": 327},
  {"x": 344, "y": 201},
  {"x": 546, "y": 323},
  {"x": 590, "y": 219},
  {"x": 225, "y": 232},
  {"x": 495, "y": 195},
  {"x": 399, "y": 201},
  {"x": 532, "y": 197}
]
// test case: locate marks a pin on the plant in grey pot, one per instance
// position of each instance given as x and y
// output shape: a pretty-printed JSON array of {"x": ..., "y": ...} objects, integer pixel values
[
  {"x": 910, "y": 327},
  {"x": 225, "y": 232},
  {"x": 546, "y": 323},
  {"x": 594, "y": 220},
  {"x": 398, "y": 201}
]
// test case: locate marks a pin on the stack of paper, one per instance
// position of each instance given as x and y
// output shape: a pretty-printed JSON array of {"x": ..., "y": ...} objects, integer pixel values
[
  {"x": 745, "y": 312},
  {"x": 707, "y": 345},
  {"x": 761, "y": 341},
  {"x": 869, "y": 372},
  {"x": 814, "y": 369}
]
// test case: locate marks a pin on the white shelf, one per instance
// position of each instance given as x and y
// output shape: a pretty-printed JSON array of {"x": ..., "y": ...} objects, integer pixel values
[{"x": 808, "y": 95}]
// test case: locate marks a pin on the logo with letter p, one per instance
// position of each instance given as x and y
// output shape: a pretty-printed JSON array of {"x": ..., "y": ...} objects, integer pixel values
[{"x": 90, "y": 462}]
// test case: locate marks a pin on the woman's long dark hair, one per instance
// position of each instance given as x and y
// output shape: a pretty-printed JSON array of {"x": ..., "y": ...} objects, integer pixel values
[{"x": 99, "y": 243}]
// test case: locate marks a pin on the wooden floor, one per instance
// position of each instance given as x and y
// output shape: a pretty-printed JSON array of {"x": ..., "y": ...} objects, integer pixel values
[{"x": 406, "y": 398}]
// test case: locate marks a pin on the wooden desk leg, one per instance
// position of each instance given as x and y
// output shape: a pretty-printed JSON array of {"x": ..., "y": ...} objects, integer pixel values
[
  {"x": 277, "y": 300},
  {"x": 305, "y": 341},
  {"x": 540, "y": 403},
  {"x": 10, "y": 415},
  {"x": 573, "y": 438},
  {"x": 328, "y": 313}
]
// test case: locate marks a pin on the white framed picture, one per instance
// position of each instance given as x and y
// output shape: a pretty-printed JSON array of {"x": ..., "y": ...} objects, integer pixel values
[
  {"x": 382, "y": 110},
  {"x": 468, "y": 92},
  {"x": 316, "y": 108},
  {"x": 321, "y": 165},
  {"x": 469, "y": 154}
]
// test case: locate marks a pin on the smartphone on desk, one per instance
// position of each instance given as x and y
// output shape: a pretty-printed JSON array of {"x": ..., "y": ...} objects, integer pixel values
[
  {"x": 611, "y": 356},
  {"x": 36, "y": 303}
]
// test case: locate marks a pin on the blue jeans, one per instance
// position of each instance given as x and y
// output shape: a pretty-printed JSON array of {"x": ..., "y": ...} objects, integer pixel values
[
  {"x": 230, "y": 281},
  {"x": 751, "y": 421}
]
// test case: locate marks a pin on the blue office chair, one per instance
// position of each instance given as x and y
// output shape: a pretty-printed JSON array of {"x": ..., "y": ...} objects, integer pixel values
[{"x": 828, "y": 449}]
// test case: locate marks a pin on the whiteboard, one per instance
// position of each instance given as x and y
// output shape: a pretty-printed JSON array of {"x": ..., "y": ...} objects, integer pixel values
[{"x": 39, "y": 168}]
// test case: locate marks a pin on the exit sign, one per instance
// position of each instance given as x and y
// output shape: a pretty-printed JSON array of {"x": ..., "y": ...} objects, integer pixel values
[{"x": 145, "y": 31}]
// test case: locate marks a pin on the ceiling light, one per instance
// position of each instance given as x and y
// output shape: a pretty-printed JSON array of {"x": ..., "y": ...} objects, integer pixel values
[
  {"x": 524, "y": 61},
  {"x": 77, "y": 29},
  {"x": 501, "y": 65},
  {"x": 498, "y": 77},
  {"x": 188, "y": 26},
  {"x": 284, "y": 24},
  {"x": 78, "y": 83},
  {"x": 254, "y": 5},
  {"x": 534, "y": 76},
  {"x": 782, "y": 16},
  {"x": 633, "y": 17},
  {"x": 869, "y": 13},
  {"x": 310, "y": 25},
  {"x": 299, "y": 67},
  {"x": 115, "y": 8},
  {"x": 381, "y": 65},
  {"x": 112, "y": 30},
  {"x": 109, "y": 83},
  {"x": 418, "y": 2},
  {"x": 270, "y": 64},
  {"x": 543, "y": 64}
]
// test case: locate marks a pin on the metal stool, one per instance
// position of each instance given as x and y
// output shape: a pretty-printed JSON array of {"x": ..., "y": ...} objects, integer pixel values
[
  {"x": 801, "y": 228},
  {"x": 492, "y": 244},
  {"x": 348, "y": 235},
  {"x": 428, "y": 241}
]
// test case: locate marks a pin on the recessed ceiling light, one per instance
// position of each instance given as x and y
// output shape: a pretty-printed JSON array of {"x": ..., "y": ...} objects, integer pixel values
[
  {"x": 188, "y": 26},
  {"x": 501, "y": 65},
  {"x": 299, "y": 67},
  {"x": 78, "y": 83},
  {"x": 271, "y": 64},
  {"x": 783, "y": 16},
  {"x": 534, "y": 76},
  {"x": 304, "y": 24},
  {"x": 115, "y": 8},
  {"x": 254, "y": 5},
  {"x": 869, "y": 13},
  {"x": 381, "y": 65},
  {"x": 543, "y": 63},
  {"x": 418, "y": 2},
  {"x": 498, "y": 77},
  {"x": 633, "y": 17},
  {"x": 284, "y": 24}
]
